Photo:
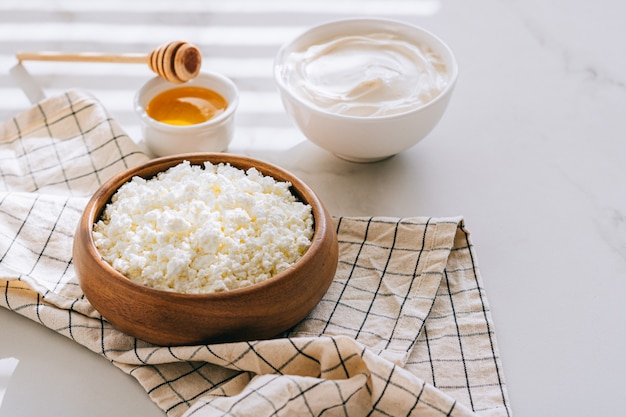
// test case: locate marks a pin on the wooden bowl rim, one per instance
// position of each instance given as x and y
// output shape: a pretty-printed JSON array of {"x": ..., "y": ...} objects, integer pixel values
[{"x": 102, "y": 196}]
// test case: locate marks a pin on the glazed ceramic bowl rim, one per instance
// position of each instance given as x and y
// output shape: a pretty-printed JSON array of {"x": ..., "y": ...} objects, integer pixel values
[
  {"x": 156, "y": 82},
  {"x": 375, "y": 22},
  {"x": 101, "y": 198}
]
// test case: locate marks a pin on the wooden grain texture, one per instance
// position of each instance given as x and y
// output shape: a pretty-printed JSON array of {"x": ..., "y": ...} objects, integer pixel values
[
  {"x": 176, "y": 61},
  {"x": 165, "y": 318}
]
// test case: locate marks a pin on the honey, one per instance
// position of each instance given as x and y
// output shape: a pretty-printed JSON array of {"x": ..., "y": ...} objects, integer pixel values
[{"x": 183, "y": 106}]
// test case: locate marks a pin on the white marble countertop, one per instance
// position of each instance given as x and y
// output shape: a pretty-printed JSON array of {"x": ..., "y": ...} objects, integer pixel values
[{"x": 532, "y": 152}]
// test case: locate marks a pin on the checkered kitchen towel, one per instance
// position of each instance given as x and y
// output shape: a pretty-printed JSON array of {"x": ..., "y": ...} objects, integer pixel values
[{"x": 405, "y": 328}]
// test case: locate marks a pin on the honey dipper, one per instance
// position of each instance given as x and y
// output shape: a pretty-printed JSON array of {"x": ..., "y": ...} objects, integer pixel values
[{"x": 176, "y": 61}]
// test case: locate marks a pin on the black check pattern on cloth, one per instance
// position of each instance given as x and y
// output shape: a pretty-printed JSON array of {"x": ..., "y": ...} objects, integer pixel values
[{"x": 405, "y": 328}]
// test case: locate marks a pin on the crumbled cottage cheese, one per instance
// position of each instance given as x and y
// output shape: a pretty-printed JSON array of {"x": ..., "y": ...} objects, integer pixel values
[{"x": 201, "y": 229}]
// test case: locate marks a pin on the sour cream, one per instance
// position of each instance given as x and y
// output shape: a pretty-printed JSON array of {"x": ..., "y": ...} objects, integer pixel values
[{"x": 366, "y": 75}]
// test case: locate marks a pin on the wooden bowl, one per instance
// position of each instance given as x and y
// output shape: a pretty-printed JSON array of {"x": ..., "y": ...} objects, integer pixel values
[{"x": 165, "y": 318}]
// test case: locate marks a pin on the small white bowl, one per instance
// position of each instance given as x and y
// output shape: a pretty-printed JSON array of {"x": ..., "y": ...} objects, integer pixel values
[
  {"x": 363, "y": 138},
  {"x": 213, "y": 135}
]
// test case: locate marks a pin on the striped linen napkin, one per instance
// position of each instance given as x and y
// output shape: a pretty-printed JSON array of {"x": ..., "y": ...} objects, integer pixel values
[{"x": 404, "y": 329}]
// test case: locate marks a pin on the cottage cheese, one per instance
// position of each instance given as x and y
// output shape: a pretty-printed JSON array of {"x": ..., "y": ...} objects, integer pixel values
[{"x": 202, "y": 229}]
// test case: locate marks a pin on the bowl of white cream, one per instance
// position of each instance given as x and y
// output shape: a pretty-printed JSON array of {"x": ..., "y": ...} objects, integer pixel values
[{"x": 365, "y": 89}]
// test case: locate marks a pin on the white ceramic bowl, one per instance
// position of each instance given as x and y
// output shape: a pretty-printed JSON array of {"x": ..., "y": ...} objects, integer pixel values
[
  {"x": 363, "y": 138},
  {"x": 213, "y": 135}
]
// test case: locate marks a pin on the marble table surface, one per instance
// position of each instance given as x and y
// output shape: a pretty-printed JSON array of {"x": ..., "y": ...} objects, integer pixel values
[{"x": 532, "y": 152}]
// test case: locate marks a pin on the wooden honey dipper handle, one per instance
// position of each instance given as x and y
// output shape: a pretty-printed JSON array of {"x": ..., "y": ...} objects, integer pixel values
[{"x": 176, "y": 61}]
